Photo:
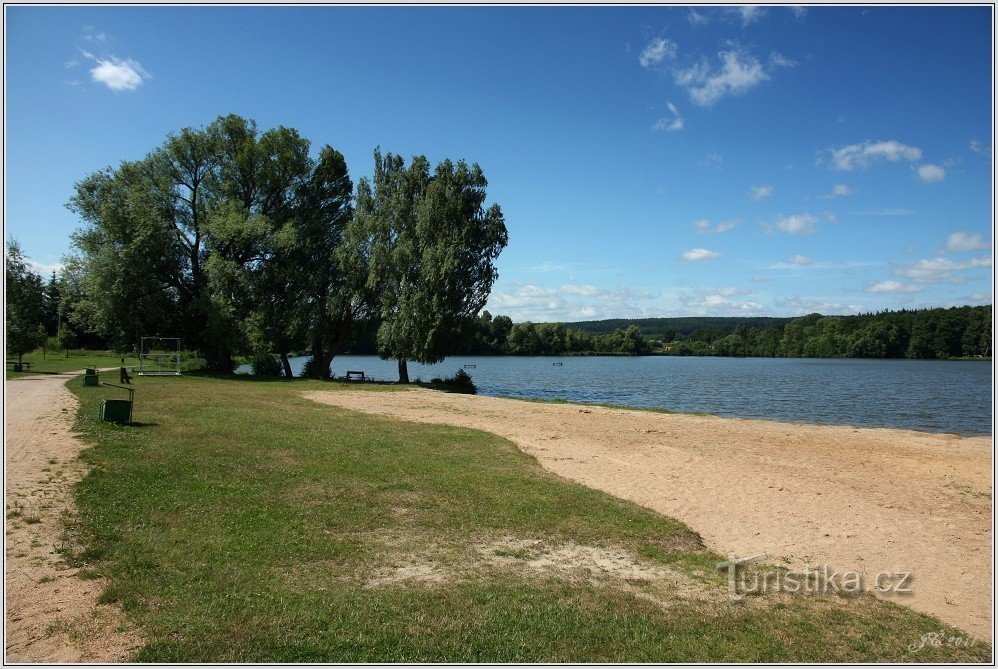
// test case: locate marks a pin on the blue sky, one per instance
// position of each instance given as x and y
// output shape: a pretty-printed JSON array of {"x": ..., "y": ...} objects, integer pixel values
[{"x": 649, "y": 161}]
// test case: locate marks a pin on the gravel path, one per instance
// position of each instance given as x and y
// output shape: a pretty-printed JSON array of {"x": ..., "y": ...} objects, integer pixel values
[{"x": 52, "y": 613}]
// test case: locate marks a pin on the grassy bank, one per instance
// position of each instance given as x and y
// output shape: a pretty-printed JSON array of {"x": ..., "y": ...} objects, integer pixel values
[
  {"x": 56, "y": 362},
  {"x": 240, "y": 522}
]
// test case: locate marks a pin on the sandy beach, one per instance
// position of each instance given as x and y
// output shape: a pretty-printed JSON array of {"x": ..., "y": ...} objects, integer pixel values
[{"x": 868, "y": 500}]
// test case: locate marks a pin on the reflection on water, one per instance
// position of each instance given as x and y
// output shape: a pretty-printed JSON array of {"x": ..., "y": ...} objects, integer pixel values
[{"x": 932, "y": 395}]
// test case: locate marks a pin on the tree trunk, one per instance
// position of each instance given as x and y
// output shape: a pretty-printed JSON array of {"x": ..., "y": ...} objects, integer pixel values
[
  {"x": 287, "y": 365},
  {"x": 403, "y": 371}
]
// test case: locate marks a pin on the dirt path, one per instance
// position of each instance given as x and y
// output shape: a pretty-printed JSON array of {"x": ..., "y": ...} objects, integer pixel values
[
  {"x": 868, "y": 500},
  {"x": 52, "y": 613}
]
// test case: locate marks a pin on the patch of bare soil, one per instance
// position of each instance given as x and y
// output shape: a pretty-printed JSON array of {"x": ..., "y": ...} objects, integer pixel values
[
  {"x": 870, "y": 500},
  {"x": 52, "y": 612}
]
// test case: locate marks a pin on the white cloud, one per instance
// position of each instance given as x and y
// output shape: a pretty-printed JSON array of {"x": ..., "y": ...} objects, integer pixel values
[
  {"x": 930, "y": 173},
  {"x": 749, "y": 14},
  {"x": 712, "y": 159},
  {"x": 541, "y": 303},
  {"x": 694, "y": 255},
  {"x": 737, "y": 73},
  {"x": 964, "y": 241},
  {"x": 42, "y": 269},
  {"x": 799, "y": 12},
  {"x": 866, "y": 153},
  {"x": 672, "y": 122},
  {"x": 696, "y": 18},
  {"x": 977, "y": 146},
  {"x": 760, "y": 192},
  {"x": 91, "y": 35},
  {"x": 797, "y": 223},
  {"x": 70, "y": 64},
  {"x": 800, "y": 260},
  {"x": 777, "y": 60},
  {"x": 801, "y": 306},
  {"x": 118, "y": 74},
  {"x": 840, "y": 190},
  {"x": 718, "y": 302},
  {"x": 890, "y": 286},
  {"x": 706, "y": 227},
  {"x": 939, "y": 270},
  {"x": 656, "y": 51}
]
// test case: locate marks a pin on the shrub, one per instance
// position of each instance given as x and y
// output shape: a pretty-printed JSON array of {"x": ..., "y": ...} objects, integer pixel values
[
  {"x": 459, "y": 383},
  {"x": 266, "y": 364}
]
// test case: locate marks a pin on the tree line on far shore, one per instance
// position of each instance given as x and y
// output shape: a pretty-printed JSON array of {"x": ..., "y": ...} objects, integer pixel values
[
  {"x": 955, "y": 332},
  {"x": 244, "y": 245}
]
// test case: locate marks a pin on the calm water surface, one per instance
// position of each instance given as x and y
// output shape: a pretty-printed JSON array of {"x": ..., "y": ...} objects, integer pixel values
[{"x": 930, "y": 395}]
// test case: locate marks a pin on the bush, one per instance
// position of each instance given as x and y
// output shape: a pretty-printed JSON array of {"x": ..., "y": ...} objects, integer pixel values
[
  {"x": 459, "y": 383},
  {"x": 266, "y": 364}
]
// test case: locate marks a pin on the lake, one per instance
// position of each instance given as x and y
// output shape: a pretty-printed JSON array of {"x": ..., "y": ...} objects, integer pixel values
[{"x": 929, "y": 395}]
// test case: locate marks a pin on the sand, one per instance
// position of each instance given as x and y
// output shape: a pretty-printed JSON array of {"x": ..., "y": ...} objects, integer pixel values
[
  {"x": 52, "y": 613},
  {"x": 867, "y": 500}
]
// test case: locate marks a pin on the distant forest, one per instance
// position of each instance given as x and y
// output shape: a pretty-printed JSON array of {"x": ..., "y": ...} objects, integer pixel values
[{"x": 958, "y": 332}]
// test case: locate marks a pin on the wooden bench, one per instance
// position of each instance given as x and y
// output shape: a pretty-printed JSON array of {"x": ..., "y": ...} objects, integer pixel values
[
  {"x": 353, "y": 375},
  {"x": 24, "y": 365}
]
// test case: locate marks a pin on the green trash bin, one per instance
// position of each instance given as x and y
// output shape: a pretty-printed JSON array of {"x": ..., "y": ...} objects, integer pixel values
[
  {"x": 18, "y": 367},
  {"x": 116, "y": 411},
  {"x": 91, "y": 380}
]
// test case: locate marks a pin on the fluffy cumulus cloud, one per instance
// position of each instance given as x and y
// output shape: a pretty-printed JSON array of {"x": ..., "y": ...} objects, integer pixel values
[
  {"x": 118, "y": 74},
  {"x": 725, "y": 301},
  {"x": 695, "y": 255},
  {"x": 760, "y": 192},
  {"x": 861, "y": 156},
  {"x": 674, "y": 121},
  {"x": 749, "y": 14},
  {"x": 800, "y": 260},
  {"x": 657, "y": 51},
  {"x": 840, "y": 190},
  {"x": 705, "y": 227},
  {"x": 796, "y": 305},
  {"x": 795, "y": 224},
  {"x": 736, "y": 73},
  {"x": 964, "y": 241},
  {"x": 43, "y": 269},
  {"x": 939, "y": 270},
  {"x": 930, "y": 173},
  {"x": 540, "y": 303},
  {"x": 891, "y": 286}
]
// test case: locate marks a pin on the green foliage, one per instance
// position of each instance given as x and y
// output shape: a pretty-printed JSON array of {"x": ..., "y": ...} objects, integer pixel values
[
  {"x": 922, "y": 334},
  {"x": 25, "y": 331},
  {"x": 433, "y": 247},
  {"x": 266, "y": 364},
  {"x": 459, "y": 383}
]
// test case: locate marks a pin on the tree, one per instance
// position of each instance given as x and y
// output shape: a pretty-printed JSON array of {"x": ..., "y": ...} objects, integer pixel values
[
  {"x": 24, "y": 303},
  {"x": 433, "y": 247},
  {"x": 332, "y": 254},
  {"x": 198, "y": 240}
]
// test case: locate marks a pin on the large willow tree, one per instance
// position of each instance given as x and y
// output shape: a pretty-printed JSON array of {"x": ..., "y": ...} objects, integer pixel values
[
  {"x": 432, "y": 248},
  {"x": 226, "y": 236}
]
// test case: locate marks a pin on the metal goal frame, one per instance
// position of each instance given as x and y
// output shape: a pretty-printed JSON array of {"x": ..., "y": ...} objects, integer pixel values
[{"x": 159, "y": 356}]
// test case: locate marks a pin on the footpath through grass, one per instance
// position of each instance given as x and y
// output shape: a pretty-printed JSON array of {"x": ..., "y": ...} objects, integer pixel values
[
  {"x": 240, "y": 522},
  {"x": 56, "y": 362}
]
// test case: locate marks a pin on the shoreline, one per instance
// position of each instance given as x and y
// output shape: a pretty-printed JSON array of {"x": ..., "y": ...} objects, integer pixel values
[
  {"x": 863, "y": 499},
  {"x": 672, "y": 412}
]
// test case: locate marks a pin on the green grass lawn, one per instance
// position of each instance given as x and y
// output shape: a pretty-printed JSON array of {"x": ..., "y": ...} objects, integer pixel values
[
  {"x": 240, "y": 522},
  {"x": 55, "y": 362}
]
